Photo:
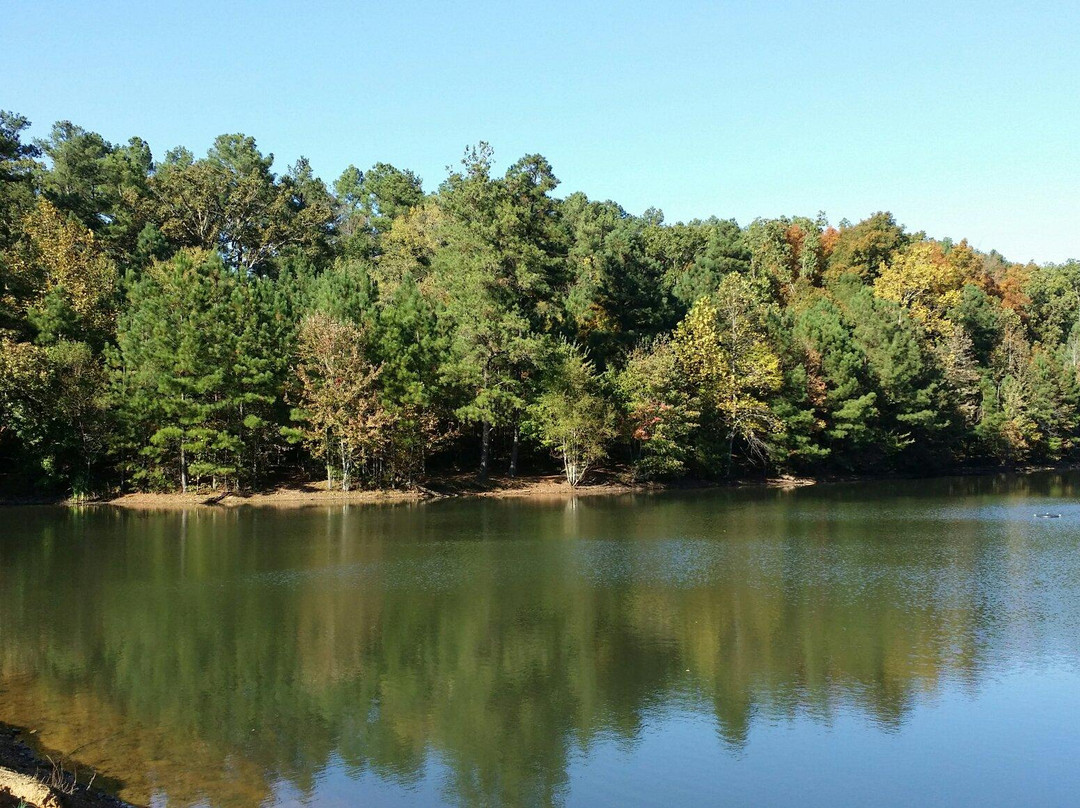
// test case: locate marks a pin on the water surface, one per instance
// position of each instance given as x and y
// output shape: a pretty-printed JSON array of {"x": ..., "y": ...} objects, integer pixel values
[{"x": 889, "y": 644}]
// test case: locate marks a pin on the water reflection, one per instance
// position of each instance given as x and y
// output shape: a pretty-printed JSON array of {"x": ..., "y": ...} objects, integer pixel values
[{"x": 235, "y": 656}]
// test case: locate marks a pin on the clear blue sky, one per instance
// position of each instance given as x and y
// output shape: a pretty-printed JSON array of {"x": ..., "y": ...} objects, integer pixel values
[{"x": 963, "y": 118}]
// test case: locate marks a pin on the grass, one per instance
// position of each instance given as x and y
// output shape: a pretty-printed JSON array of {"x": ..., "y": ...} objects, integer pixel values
[{"x": 58, "y": 779}]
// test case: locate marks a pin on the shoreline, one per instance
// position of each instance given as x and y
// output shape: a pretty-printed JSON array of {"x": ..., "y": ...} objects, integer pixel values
[
  {"x": 462, "y": 486},
  {"x": 533, "y": 487},
  {"x": 39, "y": 780},
  {"x": 467, "y": 486}
]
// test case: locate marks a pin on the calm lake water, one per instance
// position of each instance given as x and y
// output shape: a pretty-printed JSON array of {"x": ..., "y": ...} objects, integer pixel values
[{"x": 913, "y": 643}]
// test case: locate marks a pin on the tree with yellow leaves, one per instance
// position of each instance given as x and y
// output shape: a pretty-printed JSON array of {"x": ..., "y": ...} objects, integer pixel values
[
  {"x": 927, "y": 281},
  {"x": 724, "y": 355},
  {"x": 60, "y": 278}
]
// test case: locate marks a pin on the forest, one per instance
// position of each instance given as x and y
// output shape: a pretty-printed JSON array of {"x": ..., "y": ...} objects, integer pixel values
[{"x": 195, "y": 323}]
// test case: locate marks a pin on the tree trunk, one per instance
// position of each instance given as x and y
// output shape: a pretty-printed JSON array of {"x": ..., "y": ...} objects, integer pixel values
[
  {"x": 730, "y": 450},
  {"x": 514, "y": 451},
  {"x": 485, "y": 449},
  {"x": 183, "y": 458},
  {"x": 733, "y": 415},
  {"x": 346, "y": 467},
  {"x": 571, "y": 471},
  {"x": 183, "y": 467},
  {"x": 573, "y": 466}
]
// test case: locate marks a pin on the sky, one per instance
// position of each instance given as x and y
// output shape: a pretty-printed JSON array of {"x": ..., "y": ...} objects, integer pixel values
[{"x": 962, "y": 118}]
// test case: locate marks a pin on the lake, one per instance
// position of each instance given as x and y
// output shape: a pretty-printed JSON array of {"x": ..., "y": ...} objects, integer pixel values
[{"x": 901, "y": 643}]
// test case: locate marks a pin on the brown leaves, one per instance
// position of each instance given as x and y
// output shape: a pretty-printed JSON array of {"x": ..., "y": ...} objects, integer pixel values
[{"x": 346, "y": 421}]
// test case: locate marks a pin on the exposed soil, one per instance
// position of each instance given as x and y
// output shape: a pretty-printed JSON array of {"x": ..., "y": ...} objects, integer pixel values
[
  {"x": 32, "y": 777},
  {"x": 286, "y": 497},
  {"x": 459, "y": 485},
  {"x": 550, "y": 486}
]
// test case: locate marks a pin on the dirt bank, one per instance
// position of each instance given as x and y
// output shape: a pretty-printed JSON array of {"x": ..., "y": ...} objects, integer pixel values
[
  {"x": 312, "y": 494},
  {"x": 551, "y": 486},
  {"x": 42, "y": 780}
]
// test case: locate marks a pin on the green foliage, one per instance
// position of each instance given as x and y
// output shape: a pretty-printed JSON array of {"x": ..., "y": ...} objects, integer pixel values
[
  {"x": 101, "y": 184},
  {"x": 18, "y": 165},
  {"x": 572, "y": 417},
  {"x": 162, "y": 325},
  {"x": 724, "y": 252},
  {"x": 498, "y": 278},
  {"x": 368, "y": 385},
  {"x": 370, "y": 202},
  {"x": 838, "y": 383},
  {"x": 195, "y": 375},
  {"x": 726, "y": 359},
  {"x": 232, "y": 202},
  {"x": 861, "y": 249},
  {"x": 910, "y": 390},
  {"x": 659, "y": 416},
  {"x": 1054, "y": 301},
  {"x": 616, "y": 296},
  {"x": 980, "y": 316},
  {"x": 53, "y": 414}
]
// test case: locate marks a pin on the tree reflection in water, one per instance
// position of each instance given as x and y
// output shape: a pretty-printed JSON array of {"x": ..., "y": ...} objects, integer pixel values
[{"x": 217, "y": 653}]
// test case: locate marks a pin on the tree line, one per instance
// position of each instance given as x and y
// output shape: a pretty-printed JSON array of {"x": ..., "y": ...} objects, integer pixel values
[{"x": 206, "y": 322}]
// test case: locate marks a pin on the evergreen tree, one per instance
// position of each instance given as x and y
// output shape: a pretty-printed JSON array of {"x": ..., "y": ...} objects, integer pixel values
[
  {"x": 499, "y": 278},
  {"x": 193, "y": 377}
]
